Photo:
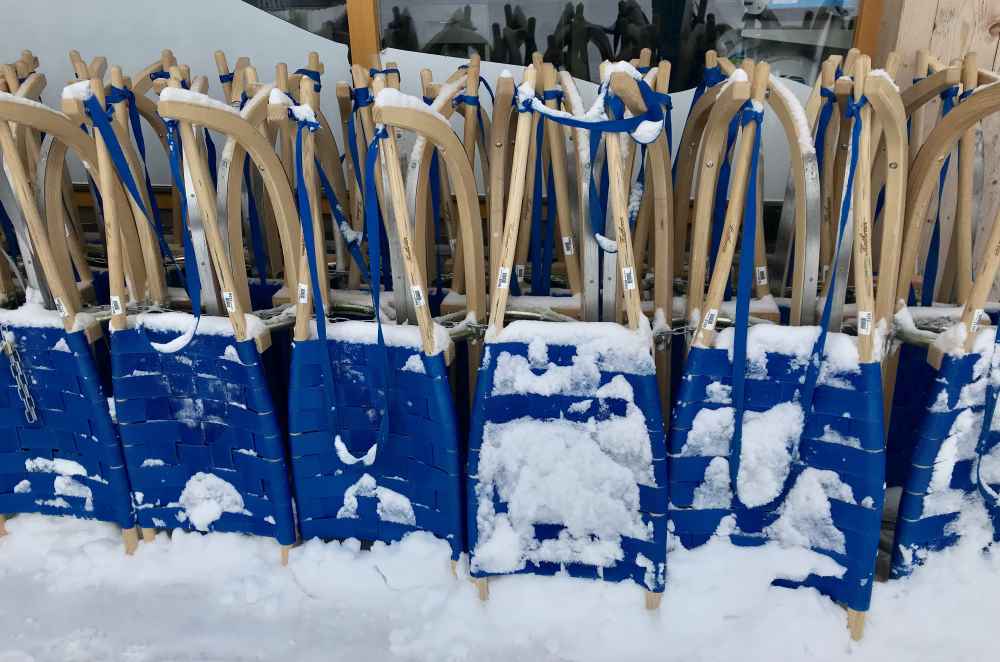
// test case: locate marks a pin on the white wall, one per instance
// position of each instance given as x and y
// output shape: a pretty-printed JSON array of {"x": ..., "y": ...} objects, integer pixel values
[{"x": 131, "y": 34}]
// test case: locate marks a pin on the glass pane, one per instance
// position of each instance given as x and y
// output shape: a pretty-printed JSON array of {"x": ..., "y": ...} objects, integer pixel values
[
  {"x": 794, "y": 36},
  {"x": 326, "y": 18}
]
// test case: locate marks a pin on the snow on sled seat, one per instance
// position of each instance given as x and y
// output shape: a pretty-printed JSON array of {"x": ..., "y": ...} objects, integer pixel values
[
  {"x": 567, "y": 466},
  {"x": 954, "y": 473},
  {"x": 202, "y": 438},
  {"x": 199, "y": 429},
  {"x": 376, "y": 451},
  {"x": 567, "y": 469},
  {"x": 776, "y": 433},
  {"x": 64, "y": 457}
]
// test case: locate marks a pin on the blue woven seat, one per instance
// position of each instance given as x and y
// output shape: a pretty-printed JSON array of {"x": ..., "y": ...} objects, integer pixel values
[
  {"x": 415, "y": 480},
  {"x": 842, "y": 435},
  {"x": 943, "y": 479},
  {"x": 69, "y": 461},
  {"x": 194, "y": 418},
  {"x": 619, "y": 401}
]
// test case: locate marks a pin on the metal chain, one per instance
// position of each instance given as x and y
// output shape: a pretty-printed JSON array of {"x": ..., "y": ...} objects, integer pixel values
[{"x": 17, "y": 371}]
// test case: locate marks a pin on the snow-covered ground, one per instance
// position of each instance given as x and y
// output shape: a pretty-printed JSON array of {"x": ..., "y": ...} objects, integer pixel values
[{"x": 67, "y": 592}]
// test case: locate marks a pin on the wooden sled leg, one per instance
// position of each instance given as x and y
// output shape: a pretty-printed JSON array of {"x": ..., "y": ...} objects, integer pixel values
[
  {"x": 284, "y": 554},
  {"x": 856, "y": 624},
  {"x": 653, "y": 600},
  {"x": 148, "y": 534},
  {"x": 454, "y": 568},
  {"x": 483, "y": 587},
  {"x": 3, "y": 525},
  {"x": 131, "y": 538}
]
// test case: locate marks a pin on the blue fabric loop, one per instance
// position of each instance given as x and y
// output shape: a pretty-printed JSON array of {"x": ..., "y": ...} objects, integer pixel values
[
  {"x": 351, "y": 239},
  {"x": 485, "y": 83},
  {"x": 385, "y": 72},
  {"x": 157, "y": 75},
  {"x": 192, "y": 279},
  {"x": 313, "y": 76},
  {"x": 100, "y": 118},
  {"x": 257, "y": 243},
  {"x": 226, "y": 78}
]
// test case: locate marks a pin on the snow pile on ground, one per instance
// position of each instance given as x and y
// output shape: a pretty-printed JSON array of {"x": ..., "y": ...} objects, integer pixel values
[{"x": 71, "y": 594}]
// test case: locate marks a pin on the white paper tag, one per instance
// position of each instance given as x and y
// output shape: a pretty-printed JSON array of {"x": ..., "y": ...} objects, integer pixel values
[
  {"x": 567, "y": 245},
  {"x": 61, "y": 307},
  {"x": 303, "y": 293},
  {"x": 762, "y": 275},
  {"x": 520, "y": 272},
  {"x": 977, "y": 317},
  {"x": 451, "y": 242},
  {"x": 116, "y": 305},
  {"x": 227, "y": 298},
  {"x": 628, "y": 278},
  {"x": 864, "y": 322},
  {"x": 503, "y": 278},
  {"x": 709, "y": 322},
  {"x": 418, "y": 295}
]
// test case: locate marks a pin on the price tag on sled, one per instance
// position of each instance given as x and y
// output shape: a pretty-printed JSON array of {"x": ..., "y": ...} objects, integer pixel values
[
  {"x": 628, "y": 278},
  {"x": 762, "y": 275},
  {"x": 61, "y": 307},
  {"x": 303, "y": 293},
  {"x": 977, "y": 318},
  {"x": 227, "y": 298},
  {"x": 116, "y": 305},
  {"x": 418, "y": 296},
  {"x": 864, "y": 322},
  {"x": 710, "y": 318},
  {"x": 567, "y": 243},
  {"x": 503, "y": 278}
]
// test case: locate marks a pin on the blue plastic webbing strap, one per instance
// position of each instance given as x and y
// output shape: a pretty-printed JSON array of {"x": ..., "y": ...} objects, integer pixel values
[
  {"x": 744, "y": 291},
  {"x": 815, "y": 362},
  {"x": 485, "y": 83},
  {"x": 541, "y": 233},
  {"x": 931, "y": 266},
  {"x": 313, "y": 76},
  {"x": 667, "y": 104},
  {"x": 257, "y": 243},
  {"x": 309, "y": 239},
  {"x": 360, "y": 97},
  {"x": 8, "y": 231},
  {"x": 99, "y": 116},
  {"x": 226, "y": 78},
  {"x": 210, "y": 154},
  {"x": 351, "y": 238},
  {"x": 116, "y": 95},
  {"x": 156, "y": 75},
  {"x": 823, "y": 122},
  {"x": 385, "y": 72},
  {"x": 192, "y": 279},
  {"x": 373, "y": 219}
]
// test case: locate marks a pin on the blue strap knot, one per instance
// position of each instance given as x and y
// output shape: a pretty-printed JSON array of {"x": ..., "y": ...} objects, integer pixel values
[
  {"x": 156, "y": 75},
  {"x": 226, "y": 78},
  {"x": 385, "y": 72},
  {"x": 312, "y": 75}
]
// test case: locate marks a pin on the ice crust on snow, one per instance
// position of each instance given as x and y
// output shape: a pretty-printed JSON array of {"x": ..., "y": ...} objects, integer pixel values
[{"x": 205, "y": 498}]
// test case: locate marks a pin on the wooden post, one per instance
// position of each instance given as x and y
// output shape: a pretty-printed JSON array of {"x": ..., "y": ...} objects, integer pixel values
[{"x": 362, "y": 16}]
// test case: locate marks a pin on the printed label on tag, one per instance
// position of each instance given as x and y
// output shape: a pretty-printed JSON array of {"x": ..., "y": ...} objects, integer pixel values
[
  {"x": 567, "y": 245},
  {"x": 227, "y": 298},
  {"x": 451, "y": 242},
  {"x": 520, "y": 271},
  {"x": 503, "y": 278},
  {"x": 61, "y": 307},
  {"x": 864, "y": 322},
  {"x": 303, "y": 293},
  {"x": 628, "y": 278},
  {"x": 418, "y": 295},
  {"x": 709, "y": 323},
  {"x": 116, "y": 305},
  {"x": 977, "y": 317},
  {"x": 762, "y": 275}
]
